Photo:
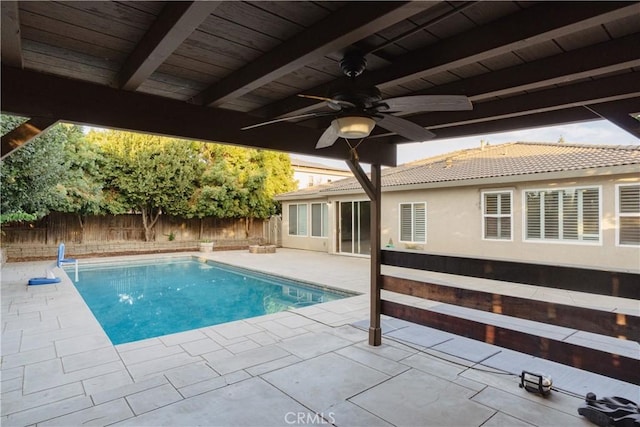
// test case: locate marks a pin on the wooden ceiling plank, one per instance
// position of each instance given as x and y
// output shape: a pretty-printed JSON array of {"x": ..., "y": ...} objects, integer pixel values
[
  {"x": 25, "y": 133},
  {"x": 338, "y": 30},
  {"x": 536, "y": 24},
  {"x": 28, "y": 93},
  {"x": 10, "y": 37},
  {"x": 176, "y": 22}
]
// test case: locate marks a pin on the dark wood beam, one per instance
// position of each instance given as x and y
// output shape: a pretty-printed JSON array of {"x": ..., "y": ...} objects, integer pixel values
[
  {"x": 536, "y": 24},
  {"x": 601, "y": 362},
  {"x": 344, "y": 27},
  {"x": 618, "y": 325},
  {"x": 620, "y": 113},
  {"x": 176, "y": 22},
  {"x": 549, "y": 118},
  {"x": 590, "y": 92},
  {"x": 600, "y": 282},
  {"x": 602, "y": 58},
  {"x": 25, "y": 133},
  {"x": 29, "y": 93},
  {"x": 10, "y": 38}
]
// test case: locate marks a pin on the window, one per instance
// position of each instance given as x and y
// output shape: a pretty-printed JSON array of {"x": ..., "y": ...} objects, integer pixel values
[
  {"x": 413, "y": 222},
  {"x": 319, "y": 219},
  {"x": 568, "y": 214},
  {"x": 496, "y": 213},
  {"x": 628, "y": 207},
  {"x": 298, "y": 220}
]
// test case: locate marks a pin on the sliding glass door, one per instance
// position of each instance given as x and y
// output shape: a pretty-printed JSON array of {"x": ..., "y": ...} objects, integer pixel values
[{"x": 354, "y": 235}]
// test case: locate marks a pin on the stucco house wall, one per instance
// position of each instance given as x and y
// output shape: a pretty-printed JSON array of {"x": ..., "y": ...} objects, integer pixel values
[{"x": 454, "y": 218}]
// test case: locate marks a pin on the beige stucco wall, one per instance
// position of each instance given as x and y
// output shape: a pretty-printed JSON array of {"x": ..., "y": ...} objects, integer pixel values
[{"x": 454, "y": 225}]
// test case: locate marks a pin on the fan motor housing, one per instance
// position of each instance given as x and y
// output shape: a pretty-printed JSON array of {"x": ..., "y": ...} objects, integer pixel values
[{"x": 361, "y": 97}]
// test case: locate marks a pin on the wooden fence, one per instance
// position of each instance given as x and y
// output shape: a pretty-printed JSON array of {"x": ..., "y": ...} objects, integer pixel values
[
  {"x": 614, "y": 325},
  {"x": 60, "y": 227}
]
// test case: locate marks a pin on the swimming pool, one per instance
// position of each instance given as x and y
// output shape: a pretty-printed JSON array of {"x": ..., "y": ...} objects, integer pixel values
[{"x": 145, "y": 299}]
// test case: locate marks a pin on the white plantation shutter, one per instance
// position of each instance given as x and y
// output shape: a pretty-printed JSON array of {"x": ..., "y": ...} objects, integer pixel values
[
  {"x": 629, "y": 215},
  {"x": 534, "y": 217},
  {"x": 319, "y": 217},
  {"x": 564, "y": 214},
  {"x": 413, "y": 222},
  {"x": 420, "y": 222},
  {"x": 589, "y": 216},
  {"x": 497, "y": 215},
  {"x": 405, "y": 222}
]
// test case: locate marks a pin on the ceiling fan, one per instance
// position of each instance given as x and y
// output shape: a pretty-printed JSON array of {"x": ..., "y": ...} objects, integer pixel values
[{"x": 358, "y": 110}]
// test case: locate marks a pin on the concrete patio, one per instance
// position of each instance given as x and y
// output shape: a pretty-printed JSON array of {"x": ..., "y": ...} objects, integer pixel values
[{"x": 308, "y": 366}]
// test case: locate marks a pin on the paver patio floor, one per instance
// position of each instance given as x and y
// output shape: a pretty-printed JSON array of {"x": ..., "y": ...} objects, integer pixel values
[{"x": 308, "y": 366}]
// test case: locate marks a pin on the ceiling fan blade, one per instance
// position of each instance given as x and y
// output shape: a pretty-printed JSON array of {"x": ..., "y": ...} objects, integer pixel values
[
  {"x": 404, "y": 128},
  {"x": 331, "y": 101},
  {"x": 328, "y": 138},
  {"x": 426, "y": 103},
  {"x": 284, "y": 119}
]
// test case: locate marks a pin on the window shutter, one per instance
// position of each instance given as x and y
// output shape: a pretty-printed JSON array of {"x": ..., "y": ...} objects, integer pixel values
[
  {"x": 590, "y": 214},
  {"x": 551, "y": 215},
  {"x": 533, "y": 215},
  {"x": 420, "y": 223},
  {"x": 405, "y": 222},
  {"x": 490, "y": 204},
  {"x": 570, "y": 215},
  {"x": 629, "y": 211}
]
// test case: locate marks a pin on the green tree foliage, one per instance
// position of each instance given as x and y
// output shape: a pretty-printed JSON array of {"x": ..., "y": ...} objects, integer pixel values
[
  {"x": 32, "y": 176},
  {"x": 148, "y": 174},
  {"x": 82, "y": 185},
  {"x": 241, "y": 182}
]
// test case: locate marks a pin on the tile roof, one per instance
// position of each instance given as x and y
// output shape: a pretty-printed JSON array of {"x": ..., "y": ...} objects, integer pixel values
[{"x": 492, "y": 161}]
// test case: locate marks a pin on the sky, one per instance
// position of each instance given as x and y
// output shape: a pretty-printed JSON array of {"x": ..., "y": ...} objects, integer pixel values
[{"x": 595, "y": 132}]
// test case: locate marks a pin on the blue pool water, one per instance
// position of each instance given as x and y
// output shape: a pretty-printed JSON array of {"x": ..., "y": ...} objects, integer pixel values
[{"x": 134, "y": 301}]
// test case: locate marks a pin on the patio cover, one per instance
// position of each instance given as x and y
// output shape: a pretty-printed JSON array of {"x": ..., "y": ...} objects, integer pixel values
[{"x": 203, "y": 70}]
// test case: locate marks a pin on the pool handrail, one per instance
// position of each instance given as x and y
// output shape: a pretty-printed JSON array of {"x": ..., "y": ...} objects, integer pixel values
[{"x": 66, "y": 261}]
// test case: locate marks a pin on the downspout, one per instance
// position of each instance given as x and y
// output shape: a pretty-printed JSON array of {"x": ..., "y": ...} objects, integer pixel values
[{"x": 373, "y": 189}]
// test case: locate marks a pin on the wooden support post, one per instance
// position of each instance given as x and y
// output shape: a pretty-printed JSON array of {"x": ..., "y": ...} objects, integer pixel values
[{"x": 373, "y": 188}]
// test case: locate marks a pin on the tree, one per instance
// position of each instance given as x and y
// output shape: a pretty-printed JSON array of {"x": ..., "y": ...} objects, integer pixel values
[
  {"x": 84, "y": 180},
  {"x": 241, "y": 183},
  {"x": 31, "y": 176},
  {"x": 148, "y": 174}
]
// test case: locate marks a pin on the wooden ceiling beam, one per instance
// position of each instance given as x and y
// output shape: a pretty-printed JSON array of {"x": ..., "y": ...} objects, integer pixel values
[
  {"x": 25, "y": 133},
  {"x": 584, "y": 93},
  {"x": 536, "y": 24},
  {"x": 176, "y": 22},
  {"x": 548, "y": 118},
  {"x": 339, "y": 30},
  {"x": 620, "y": 113},
  {"x": 29, "y": 93},
  {"x": 10, "y": 38},
  {"x": 607, "y": 57}
]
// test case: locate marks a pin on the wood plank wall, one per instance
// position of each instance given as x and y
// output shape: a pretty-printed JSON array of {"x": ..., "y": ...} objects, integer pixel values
[
  {"x": 61, "y": 227},
  {"x": 596, "y": 282}
]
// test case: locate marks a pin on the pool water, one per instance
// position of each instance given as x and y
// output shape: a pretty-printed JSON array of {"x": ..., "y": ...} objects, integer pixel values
[{"x": 135, "y": 301}]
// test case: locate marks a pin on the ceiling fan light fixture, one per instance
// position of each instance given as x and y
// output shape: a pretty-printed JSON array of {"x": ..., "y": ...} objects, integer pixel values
[{"x": 353, "y": 127}]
